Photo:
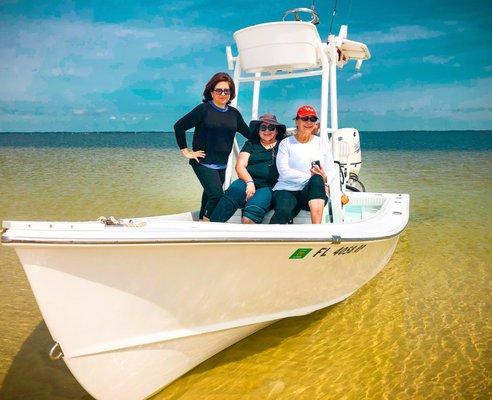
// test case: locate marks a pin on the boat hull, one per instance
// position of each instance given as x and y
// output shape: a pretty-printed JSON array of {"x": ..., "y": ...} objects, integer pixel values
[{"x": 141, "y": 315}]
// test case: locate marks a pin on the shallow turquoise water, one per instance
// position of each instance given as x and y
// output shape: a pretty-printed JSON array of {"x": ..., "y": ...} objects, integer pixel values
[{"x": 421, "y": 329}]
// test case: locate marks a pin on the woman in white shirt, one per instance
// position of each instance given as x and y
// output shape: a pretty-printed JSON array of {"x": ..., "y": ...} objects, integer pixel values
[{"x": 305, "y": 166}]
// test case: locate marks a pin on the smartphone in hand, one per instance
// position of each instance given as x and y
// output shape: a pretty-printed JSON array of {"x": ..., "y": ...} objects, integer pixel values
[{"x": 315, "y": 163}]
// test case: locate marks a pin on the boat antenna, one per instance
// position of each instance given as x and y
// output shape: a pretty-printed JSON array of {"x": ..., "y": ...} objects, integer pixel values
[
  {"x": 349, "y": 11},
  {"x": 333, "y": 15}
]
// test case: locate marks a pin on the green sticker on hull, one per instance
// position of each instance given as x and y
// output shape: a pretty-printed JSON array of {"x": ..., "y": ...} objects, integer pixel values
[{"x": 299, "y": 253}]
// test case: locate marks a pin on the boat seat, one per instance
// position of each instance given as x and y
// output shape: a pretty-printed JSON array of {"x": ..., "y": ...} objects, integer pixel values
[{"x": 278, "y": 46}]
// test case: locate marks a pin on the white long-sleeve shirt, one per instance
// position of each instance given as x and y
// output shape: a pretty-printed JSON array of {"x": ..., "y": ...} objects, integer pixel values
[{"x": 294, "y": 162}]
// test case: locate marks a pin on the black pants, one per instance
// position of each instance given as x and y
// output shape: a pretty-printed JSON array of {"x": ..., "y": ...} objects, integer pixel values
[
  {"x": 287, "y": 204},
  {"x": 212, "y": 181}
]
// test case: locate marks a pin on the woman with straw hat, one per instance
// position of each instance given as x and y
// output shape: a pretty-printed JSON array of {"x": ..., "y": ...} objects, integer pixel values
[{"x": 257, "y": 172}]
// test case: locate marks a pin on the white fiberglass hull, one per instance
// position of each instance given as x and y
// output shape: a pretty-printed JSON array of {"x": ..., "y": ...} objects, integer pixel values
[
  {"x": 132, "y": 317},
  {"x": 136, "y": 314}
]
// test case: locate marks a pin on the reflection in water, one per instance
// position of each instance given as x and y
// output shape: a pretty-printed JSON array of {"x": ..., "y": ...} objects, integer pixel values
[
  {"x": 32, "y": 375},
  {"x": 339, "y": 352}
]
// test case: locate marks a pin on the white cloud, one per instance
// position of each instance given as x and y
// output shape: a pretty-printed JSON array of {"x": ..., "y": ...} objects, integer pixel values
[
  {"x": 18, "y": 72},
  {"x": 71, "y": 71},
  {"x": 402, "y": 33},
  {"x": 355, "y": 76},
  {"x": 456, "y": 101},
  {"x": 112, "y": 118},
  {"x": 79, "y": 111},
  {"x": 460, "y": 105},
  {"x": 152, "y": 45},
  {"x": 102, "y": 53},
  {"x": 178, "y": 6},
  {"x": 38, "y": 53},
  {"x": 123, "y": 32},
  {"x": 437, "y": 59}
]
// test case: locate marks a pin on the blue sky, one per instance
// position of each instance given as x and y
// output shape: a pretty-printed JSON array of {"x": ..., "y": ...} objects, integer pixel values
[{"x": 140, "y": 65}]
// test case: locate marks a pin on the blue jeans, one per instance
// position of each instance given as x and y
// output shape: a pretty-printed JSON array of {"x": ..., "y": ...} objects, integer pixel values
[{"x": 235, "y": 197}]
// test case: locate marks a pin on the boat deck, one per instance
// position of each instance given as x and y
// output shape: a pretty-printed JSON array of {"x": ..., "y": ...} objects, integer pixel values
[{"x": 370, "y": 216}]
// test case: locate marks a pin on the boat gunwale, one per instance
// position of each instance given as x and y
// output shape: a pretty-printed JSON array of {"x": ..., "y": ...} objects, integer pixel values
[
  {"x": 296, "y": 233},
  {"x": 67, "y": 242}
]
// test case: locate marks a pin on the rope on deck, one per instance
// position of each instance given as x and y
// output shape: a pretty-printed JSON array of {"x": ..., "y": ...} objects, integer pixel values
[{"x": 113, "y": 221}]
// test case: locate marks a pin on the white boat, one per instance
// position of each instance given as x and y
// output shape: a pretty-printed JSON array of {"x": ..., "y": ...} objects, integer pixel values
[{"x": 134, "y": 305}]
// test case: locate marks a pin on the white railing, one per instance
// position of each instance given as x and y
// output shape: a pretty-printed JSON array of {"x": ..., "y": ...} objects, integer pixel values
[{"x": 326, "y": 66}]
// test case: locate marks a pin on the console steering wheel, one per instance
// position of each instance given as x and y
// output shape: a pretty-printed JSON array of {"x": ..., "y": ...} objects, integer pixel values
[{"x": 295, "y": 11}]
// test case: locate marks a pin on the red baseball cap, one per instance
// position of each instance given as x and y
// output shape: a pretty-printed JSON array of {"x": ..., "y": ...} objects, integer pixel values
[{"x": 306, "y": 111}]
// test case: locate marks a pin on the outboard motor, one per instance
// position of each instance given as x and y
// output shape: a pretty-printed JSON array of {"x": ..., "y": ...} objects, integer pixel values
[{"x": 350, "y": 158}]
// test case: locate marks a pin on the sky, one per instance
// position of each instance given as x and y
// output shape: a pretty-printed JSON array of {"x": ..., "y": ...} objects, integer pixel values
[{"x": 88, "y": 65}]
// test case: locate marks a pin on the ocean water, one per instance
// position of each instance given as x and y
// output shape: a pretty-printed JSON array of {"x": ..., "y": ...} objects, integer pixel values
[{"x": 421, "y": 329}]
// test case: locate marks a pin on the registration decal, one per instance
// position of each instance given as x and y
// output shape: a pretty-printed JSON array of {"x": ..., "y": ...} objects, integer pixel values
[
  {"x": 299, "y": 253},
  {"x": 326, "y": 251}
]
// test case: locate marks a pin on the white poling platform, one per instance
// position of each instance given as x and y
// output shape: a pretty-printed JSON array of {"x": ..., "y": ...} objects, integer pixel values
[{"x": 278, "y": 46}]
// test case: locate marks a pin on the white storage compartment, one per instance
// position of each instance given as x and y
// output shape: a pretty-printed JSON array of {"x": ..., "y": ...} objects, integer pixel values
[{"x": 278, "y": 46}]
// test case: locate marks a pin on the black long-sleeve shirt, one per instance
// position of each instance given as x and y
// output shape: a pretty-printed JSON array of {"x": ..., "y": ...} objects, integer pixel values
[{"x": 214, "y": 131}]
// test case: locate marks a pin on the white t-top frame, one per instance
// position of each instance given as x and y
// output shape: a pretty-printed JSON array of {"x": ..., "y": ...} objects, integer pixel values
[{"x": 328, "y": 57}]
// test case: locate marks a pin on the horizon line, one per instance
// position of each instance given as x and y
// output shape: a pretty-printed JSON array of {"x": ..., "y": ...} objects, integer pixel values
[{"x": 148, "y": 131}]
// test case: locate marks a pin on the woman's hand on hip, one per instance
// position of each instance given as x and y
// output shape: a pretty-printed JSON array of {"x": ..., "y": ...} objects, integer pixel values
[{"x": 193, "y": 155}]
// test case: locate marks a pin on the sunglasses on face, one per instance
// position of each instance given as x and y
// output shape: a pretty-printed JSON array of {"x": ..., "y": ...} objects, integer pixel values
[
  {"x": 270, "y": 127},
  {"x": 223, "y": 91},
  {"x": 310, "y": 119}
]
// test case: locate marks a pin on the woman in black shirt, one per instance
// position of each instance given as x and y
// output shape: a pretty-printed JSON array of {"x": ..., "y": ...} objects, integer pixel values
[
  {"x": 257, "y": 172},
  {"x": 216, "y": 124}
]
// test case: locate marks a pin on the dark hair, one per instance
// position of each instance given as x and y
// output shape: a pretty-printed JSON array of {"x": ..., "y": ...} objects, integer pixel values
[{"x": 210, "y": 86}]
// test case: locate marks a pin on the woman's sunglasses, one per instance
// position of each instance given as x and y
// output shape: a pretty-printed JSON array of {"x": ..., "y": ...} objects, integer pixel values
[
  {"x": 270, "y": 127},
  {"x": 305, "y": 119},
  {"x": 223, "y": 91}
]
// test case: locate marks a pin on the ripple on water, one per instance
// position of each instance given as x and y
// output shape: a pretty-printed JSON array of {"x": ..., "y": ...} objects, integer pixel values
[{"x": 419, "y": 330}]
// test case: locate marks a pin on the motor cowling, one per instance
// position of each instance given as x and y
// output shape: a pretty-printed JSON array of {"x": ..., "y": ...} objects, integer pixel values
[
  {"x": 350, "y": 157},
  {"x": 349, "y": 149}
]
